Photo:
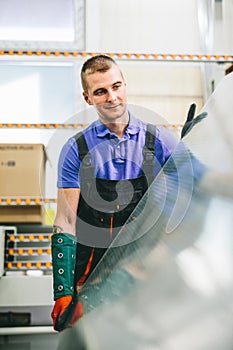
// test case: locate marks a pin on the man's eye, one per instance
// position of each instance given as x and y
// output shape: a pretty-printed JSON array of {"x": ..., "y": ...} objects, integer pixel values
[
  {"x": 117, "y": 86},
  {"x": 99, "y": 92}
]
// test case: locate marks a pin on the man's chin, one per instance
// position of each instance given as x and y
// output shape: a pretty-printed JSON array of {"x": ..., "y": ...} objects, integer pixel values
[{"x": 116, "y": 115}]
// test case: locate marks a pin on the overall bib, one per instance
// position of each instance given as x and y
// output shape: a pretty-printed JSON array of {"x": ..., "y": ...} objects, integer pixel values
[{"x": 105, "y": 205}]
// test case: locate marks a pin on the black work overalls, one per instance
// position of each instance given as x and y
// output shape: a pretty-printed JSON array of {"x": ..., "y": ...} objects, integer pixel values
[{"x": 100, "y": 216}]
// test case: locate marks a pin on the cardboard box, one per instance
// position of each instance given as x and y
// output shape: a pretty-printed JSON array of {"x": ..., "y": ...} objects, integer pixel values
[
  {"x": 34, "y": 214},
  {"x": 22, "y": 175},
  {"x": 22, "y": 170}
]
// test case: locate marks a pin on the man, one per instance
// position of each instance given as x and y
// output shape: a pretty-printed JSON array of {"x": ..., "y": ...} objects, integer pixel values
[{"x": 103, "y": 173}]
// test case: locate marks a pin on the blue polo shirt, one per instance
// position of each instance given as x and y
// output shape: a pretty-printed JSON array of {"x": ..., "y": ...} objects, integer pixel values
[{"x": 114, "y": 158}]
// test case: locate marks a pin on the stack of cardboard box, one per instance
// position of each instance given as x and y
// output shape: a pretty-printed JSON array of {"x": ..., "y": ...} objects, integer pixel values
[{"x": 22, "y": 175}]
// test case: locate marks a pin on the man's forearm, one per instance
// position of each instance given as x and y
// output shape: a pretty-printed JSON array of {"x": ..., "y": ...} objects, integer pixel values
[
  {"x": 62, "y": 224},
  {"x": 66, "y": 216}
]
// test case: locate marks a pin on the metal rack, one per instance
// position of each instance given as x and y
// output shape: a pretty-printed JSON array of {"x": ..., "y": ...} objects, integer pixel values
[{"x": 26, "y": 275}]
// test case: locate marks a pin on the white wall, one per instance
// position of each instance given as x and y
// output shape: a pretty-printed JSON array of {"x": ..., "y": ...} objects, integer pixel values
[
  {"x": 151, "y": 26},
  {"x": 225, "y": 42},
  {"x": 142, "y": 26},
  {"x": 168, "y": 26}
]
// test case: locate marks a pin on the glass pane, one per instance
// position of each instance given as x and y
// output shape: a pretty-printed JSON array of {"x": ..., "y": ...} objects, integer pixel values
[
  {"x": 167, "y": 277},
  {"x": 31, "y": 20},
  {"x": 34, "y": 93}
]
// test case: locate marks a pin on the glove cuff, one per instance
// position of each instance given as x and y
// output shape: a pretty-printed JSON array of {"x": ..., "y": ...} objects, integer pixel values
[{"x": 63, "y": 260}]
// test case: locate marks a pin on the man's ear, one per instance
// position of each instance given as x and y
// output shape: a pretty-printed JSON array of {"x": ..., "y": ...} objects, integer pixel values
[{"x": 86, "y": 98}]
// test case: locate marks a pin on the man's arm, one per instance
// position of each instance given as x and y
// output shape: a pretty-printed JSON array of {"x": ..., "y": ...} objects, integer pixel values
[
  {"x": 66, "y": 310},
  {"x": 67, "y": 204}
]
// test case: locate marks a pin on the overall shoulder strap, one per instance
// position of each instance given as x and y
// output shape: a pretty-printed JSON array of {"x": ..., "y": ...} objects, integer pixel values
[
  {"x": 150, "y": 138},
  {"x": 149, "y": 152},
  {"x": 82, "y": 145},
  {"x": 84, "y": 155}
]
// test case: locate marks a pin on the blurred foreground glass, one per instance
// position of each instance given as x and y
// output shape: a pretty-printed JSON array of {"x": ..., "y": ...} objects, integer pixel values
[{"x": 171, "y": 289}]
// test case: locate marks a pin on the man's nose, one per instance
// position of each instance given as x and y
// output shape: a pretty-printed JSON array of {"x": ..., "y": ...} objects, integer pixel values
[{"x": 111, "y": 96}]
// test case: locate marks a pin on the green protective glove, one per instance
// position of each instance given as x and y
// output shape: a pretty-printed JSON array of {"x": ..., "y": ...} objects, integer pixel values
[
  {"x": 67, "y": 308},
  {"x": 63, "y": 260}
]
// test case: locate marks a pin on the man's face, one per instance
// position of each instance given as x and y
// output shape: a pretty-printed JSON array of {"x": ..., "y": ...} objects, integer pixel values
[{"x": 107, "y": 93}]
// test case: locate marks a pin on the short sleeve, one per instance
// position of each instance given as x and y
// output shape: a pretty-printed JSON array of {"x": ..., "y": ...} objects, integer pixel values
[{"x": 68, "y": 166}]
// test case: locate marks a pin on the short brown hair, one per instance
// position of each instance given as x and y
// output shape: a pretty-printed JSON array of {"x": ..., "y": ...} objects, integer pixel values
[{"x": 99, "y": 63}]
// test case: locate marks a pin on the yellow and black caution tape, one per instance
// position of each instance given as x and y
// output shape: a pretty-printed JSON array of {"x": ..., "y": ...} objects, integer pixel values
[
  {"x": 29, "y": 237},
  {"x": 124, "y": 55},
  {"x": 42, "y": 126},
  {"x": 28, "y": 252},
  {"x": 67, "y": 126},
  {"x": 19, "y": 265},
  {"x": 26, "y": 201}
]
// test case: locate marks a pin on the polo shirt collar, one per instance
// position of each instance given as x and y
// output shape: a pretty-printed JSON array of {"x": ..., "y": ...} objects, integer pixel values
[{"x": 132, "y": 128}]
